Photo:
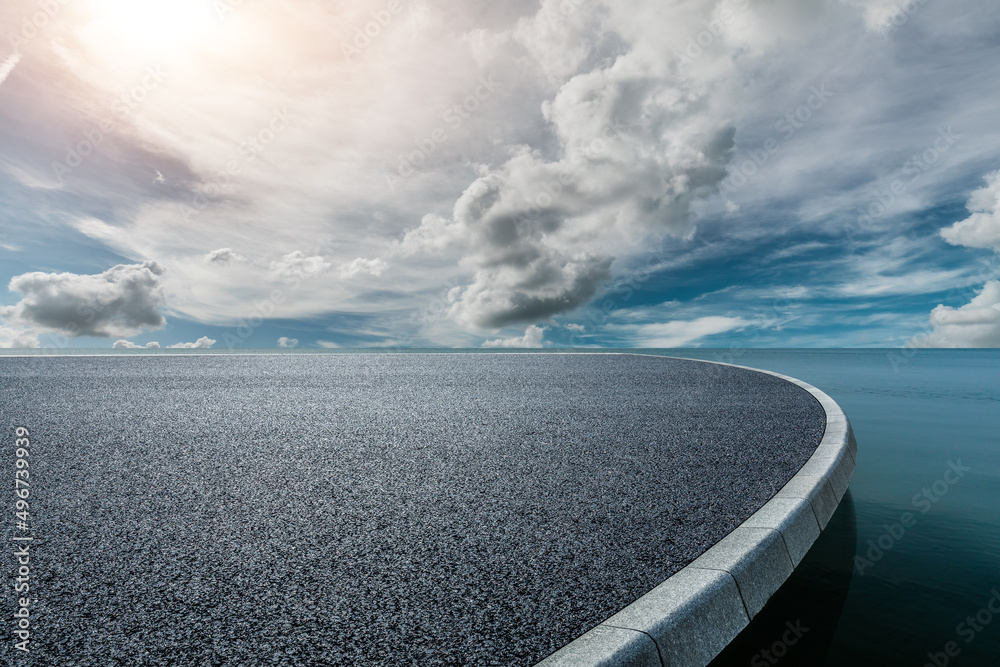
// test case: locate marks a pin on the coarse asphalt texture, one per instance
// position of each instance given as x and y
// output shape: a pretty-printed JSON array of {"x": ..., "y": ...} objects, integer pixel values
[{"x": 376, "y": 509}]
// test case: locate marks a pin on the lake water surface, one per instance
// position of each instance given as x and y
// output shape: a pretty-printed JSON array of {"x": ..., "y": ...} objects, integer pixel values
[{"x": 907, "y": 597}]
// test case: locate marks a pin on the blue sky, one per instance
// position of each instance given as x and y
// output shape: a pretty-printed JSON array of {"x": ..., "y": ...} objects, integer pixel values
[{"x": 754, "y": 173}]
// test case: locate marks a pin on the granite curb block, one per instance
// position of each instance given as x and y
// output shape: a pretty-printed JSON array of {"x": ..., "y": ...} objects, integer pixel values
[{"x": 692, "y": 616}]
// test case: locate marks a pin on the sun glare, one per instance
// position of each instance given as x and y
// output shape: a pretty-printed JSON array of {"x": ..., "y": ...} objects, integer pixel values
[{"x": 156, "y": 25}]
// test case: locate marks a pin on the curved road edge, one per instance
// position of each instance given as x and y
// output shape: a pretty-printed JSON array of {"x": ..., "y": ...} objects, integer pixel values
[{"x": 692, "y": 616}]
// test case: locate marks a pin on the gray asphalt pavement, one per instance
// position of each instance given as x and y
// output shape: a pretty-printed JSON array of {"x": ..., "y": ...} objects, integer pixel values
[{"x": 381, "y": 509}]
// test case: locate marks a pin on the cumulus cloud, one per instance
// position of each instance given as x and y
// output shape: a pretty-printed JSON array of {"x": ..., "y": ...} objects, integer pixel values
[
  {"x": 17, "y": 338},
  {"x": 982, "y": 228},
  {"x": 561, "y": 38},
  {"x": 532, "y": 338},
  {"x": 288, "y": 343},
  {"x": 202, "y": 343},
  {"x": 638, "y": 144},
  {"x": 373, "y": 267},
  {"x": 682, "y": 333},
  {"x": 976, "y": 324},
  {"x": 222, "y": 256},
  {"x": 541, "y": 286},
  {"x": 296, "y": 266},
  {"x": 120, "y": 302},
  {"x": 123, "y": 344}
]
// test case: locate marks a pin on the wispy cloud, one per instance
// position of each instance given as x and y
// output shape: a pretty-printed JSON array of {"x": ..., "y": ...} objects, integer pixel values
[
  {"x": 911, "y": 282},
  {"x": 8, "y": 65},
  {"x": 680, "y": 333}
]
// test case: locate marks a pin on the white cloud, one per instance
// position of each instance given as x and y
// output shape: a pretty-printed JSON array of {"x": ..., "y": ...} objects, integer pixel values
[
  {"x": 982, "y": 228},
  {"x": 31, "y": 177},
  {"x": 914, "y": 282},
  {"x": 123, "y": 344},
  {"x": 577, "y": 328},
  {"x": 202, "y": 343},
  {"x": 882, "y": 16},
  {"x": 681, "y": 333},
  {"x": 223, "y": 256},
  {"x": 637, "y": 145},
  {"x": 373, "y": 267},
  {"x": 532, "y": 289},
  {"x": 101, "y": 231},
  {"x": 286, "y": 342},
  {"x": 327, "y": 344},
  {"x": 17, "y": 338},
  {"x": 296, "y": 266},
  {"x": 795, "y": 251},
  {"x": 976, "y": 324},
  {"x": 8, "y": 65},
  {"x": 561, "y": 37},
  {"x": 120, "y": 302},
  {"x": 532, "y": 338},
  {"x": 636, "y": 140},
  {"x": 894, "y": 266}
]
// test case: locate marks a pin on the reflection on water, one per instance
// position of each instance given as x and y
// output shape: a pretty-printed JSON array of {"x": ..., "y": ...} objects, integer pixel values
[
  {"x": 918, "y": 590},
  {"x": 798, "y": 624}
]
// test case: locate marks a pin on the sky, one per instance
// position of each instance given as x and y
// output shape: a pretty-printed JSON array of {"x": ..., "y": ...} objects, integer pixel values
[{"x": 545, "y": 173}]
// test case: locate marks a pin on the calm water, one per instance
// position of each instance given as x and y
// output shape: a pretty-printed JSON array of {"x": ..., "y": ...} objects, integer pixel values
[
  {"x": 875, "y": 591},
  {"x": 910, "y": 596}
]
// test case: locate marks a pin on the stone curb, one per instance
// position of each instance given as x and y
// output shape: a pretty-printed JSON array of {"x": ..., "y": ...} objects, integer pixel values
[{"x": 692, "y": 616}]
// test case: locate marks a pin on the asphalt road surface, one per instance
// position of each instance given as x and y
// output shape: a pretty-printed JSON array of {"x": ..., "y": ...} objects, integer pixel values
[{"x": 379, "y": 509}]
